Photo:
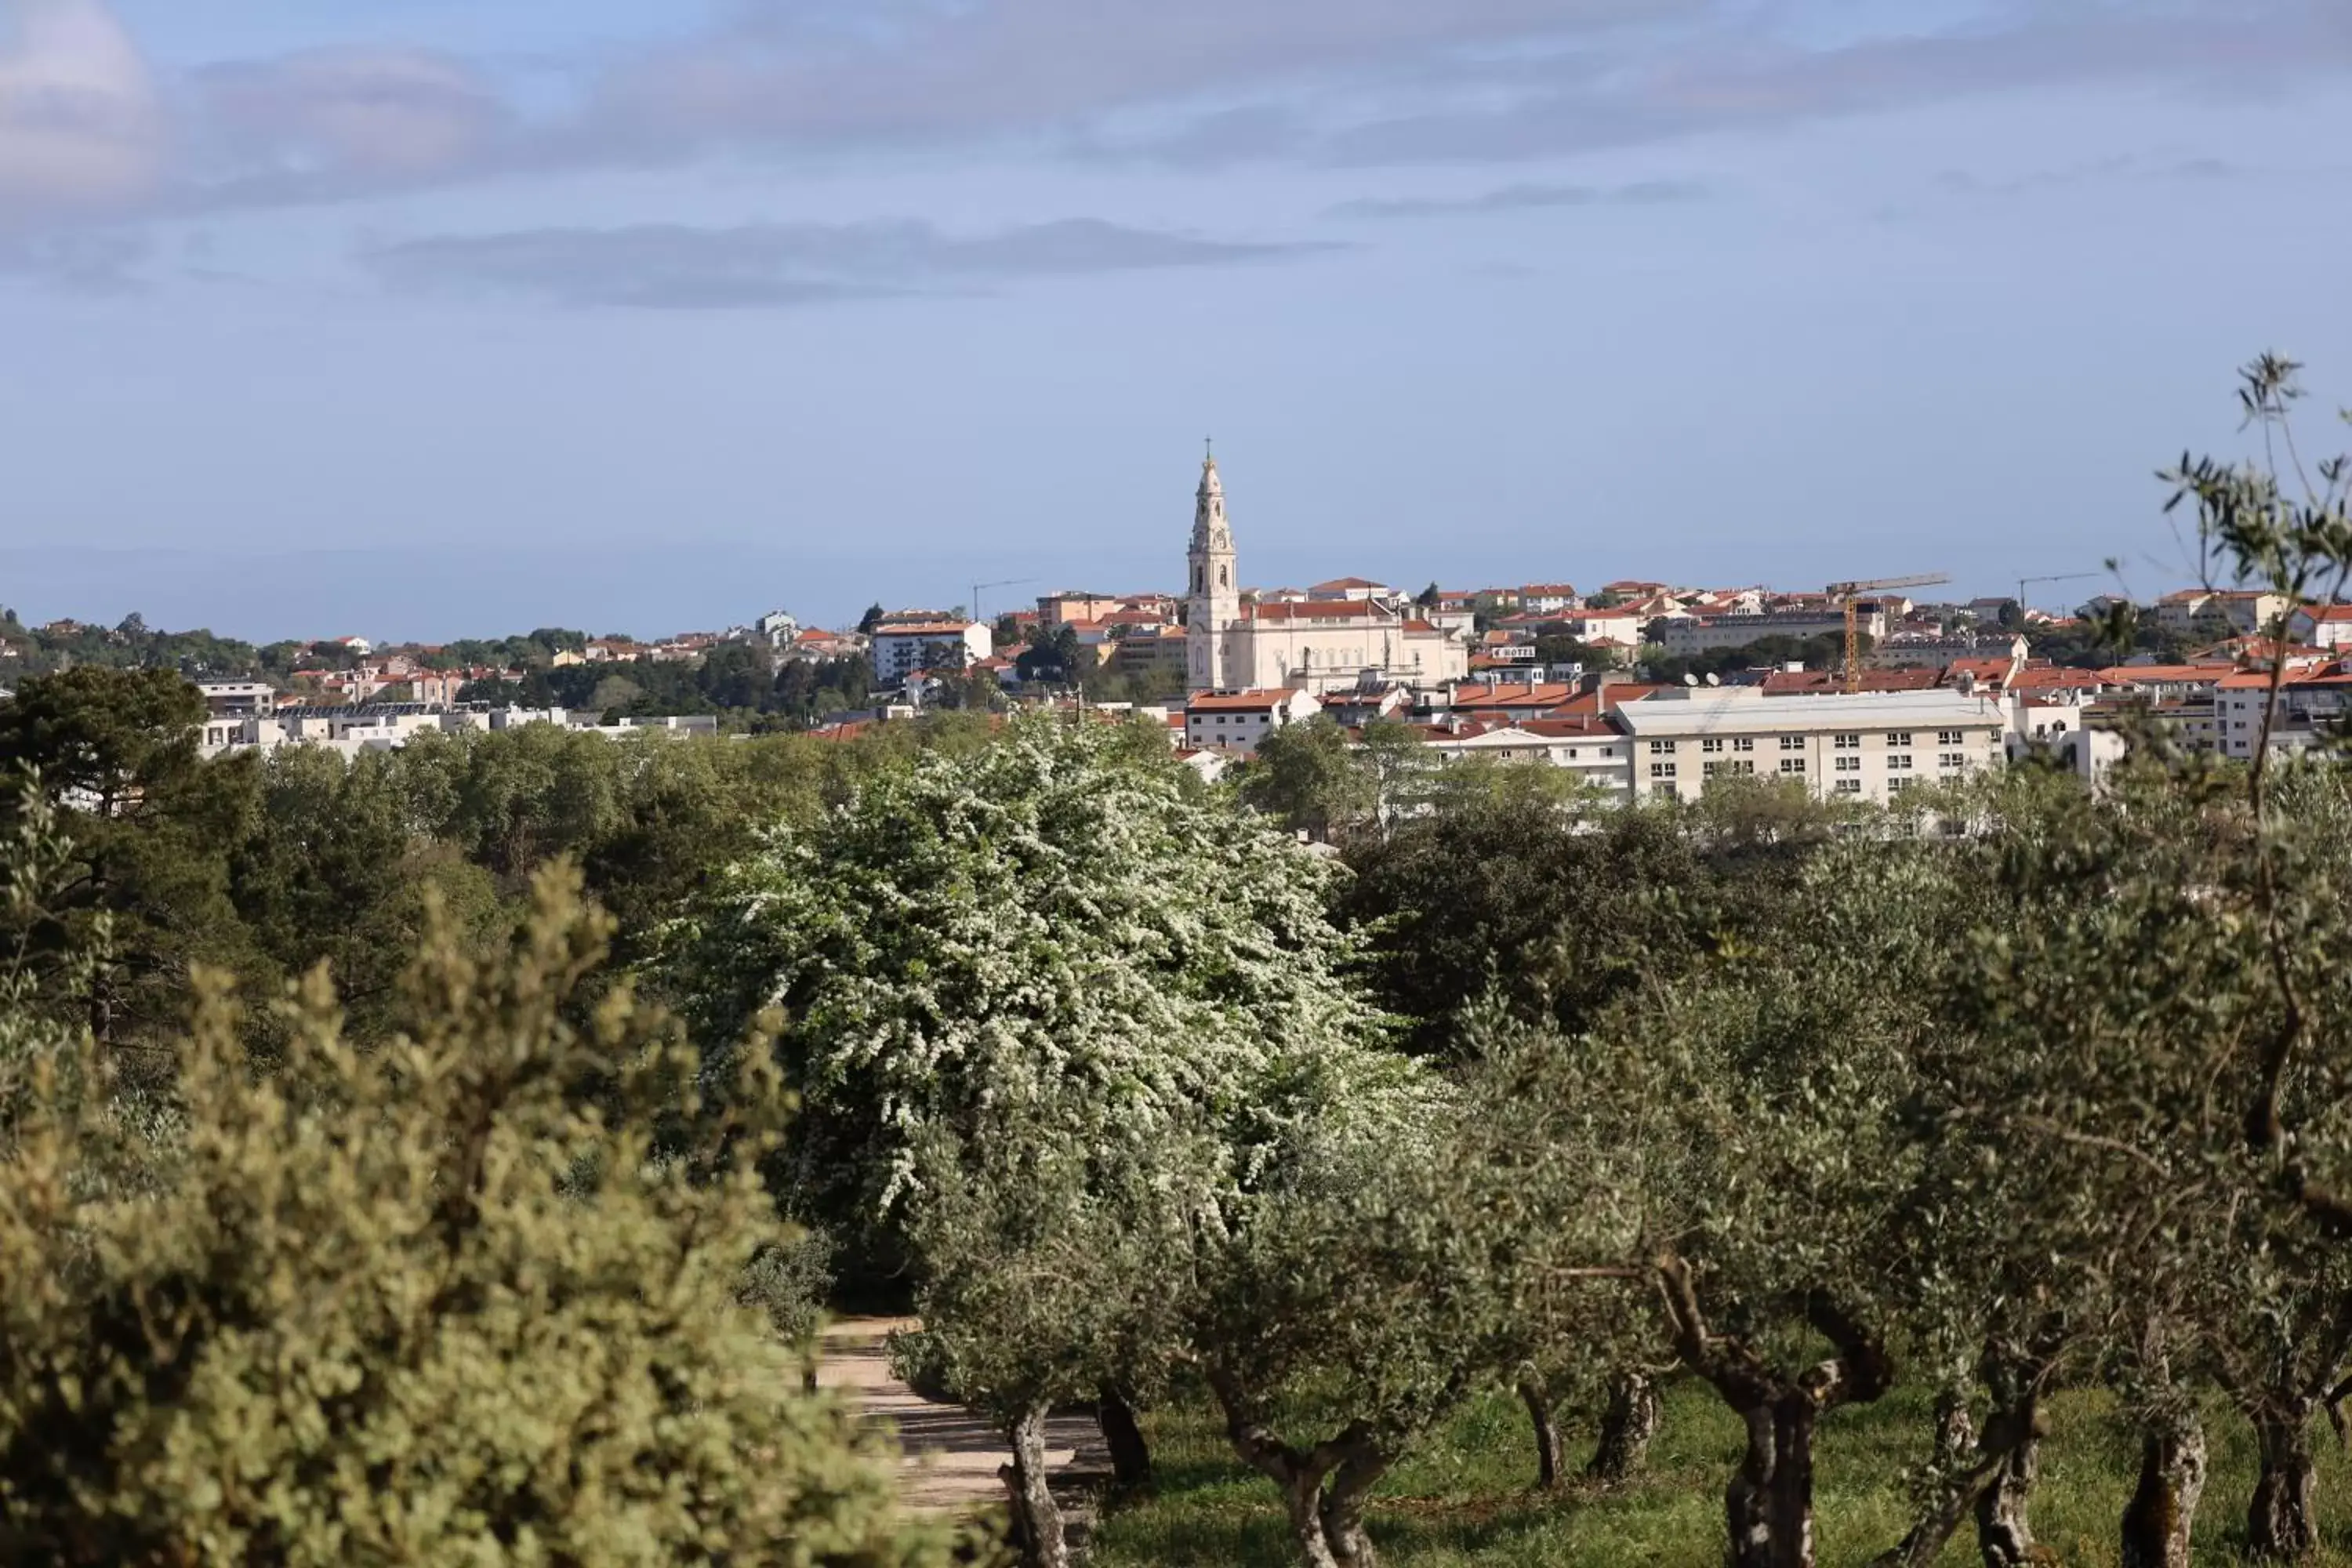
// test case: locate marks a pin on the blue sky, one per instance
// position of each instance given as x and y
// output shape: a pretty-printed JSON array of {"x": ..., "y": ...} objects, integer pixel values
[{"x": 453, "y": 316}]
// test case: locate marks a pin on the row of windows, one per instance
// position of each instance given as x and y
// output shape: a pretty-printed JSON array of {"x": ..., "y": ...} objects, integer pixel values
[{"x": 1847, "y": 741}]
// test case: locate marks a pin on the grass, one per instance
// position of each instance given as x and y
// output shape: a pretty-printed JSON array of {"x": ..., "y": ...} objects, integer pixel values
[{"x": 1464, "y": 1502}]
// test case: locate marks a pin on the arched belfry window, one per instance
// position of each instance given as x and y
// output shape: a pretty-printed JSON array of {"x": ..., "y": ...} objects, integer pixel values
[{"x": 1225, "y": 577}]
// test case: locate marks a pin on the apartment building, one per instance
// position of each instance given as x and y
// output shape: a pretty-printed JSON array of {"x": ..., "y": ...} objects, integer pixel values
[
  {"x": 1871, "y": 747},
  {"x": 902, "y": 647},
  {"x": 1235, "y": 722},
  {"x": 1699, "y": 635},
  {"x": 1591, "y": 748},
  {"x": 2311, "y": 711}
]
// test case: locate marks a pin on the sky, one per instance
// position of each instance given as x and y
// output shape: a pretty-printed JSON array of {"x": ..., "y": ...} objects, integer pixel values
[{"x": 439, "y": 318}]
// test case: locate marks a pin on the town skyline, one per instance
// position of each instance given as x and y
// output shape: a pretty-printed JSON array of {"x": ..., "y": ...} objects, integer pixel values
[{"x": 612, "y": 297}]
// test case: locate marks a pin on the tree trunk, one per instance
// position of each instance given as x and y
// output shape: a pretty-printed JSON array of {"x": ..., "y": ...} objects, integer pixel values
[
  {"x": 1036, "y": 1518},
  {"x": 1957, "y": 1472},
  {"x": 2004, "y": 1524},
  {"x": 1768, "y": 1507},
  {"x": 2280, "y": 1523},
  {"x": 1302, "y": 1500},
  {"x": 1130, "y": 1457},
  {"x": 1627, "y": 1428},
  {"x": 1343, "y": 1510},
  {"x": 2156, "y": 1525},
  {"x": 1550, "y": 1464}
]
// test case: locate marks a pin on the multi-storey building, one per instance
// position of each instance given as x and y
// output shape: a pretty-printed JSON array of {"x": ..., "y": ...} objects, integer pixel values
[
  {"x": 900, "y": 647},
  {"x": 1863, "y": 748}
]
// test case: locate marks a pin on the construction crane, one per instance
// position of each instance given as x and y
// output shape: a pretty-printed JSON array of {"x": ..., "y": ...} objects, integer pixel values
[
  {"x": 1001, "y": 583},
  {"x": 1849, "y": 595},
  {"x": 2062, "y": 577}
]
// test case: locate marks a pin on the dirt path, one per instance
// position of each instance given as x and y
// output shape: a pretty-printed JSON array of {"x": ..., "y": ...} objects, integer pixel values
[{"x": 951, "y": 1454}]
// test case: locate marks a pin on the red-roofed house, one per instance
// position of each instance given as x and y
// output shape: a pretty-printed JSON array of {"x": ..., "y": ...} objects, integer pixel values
[
  {"x": 1352, "y": 588},
  {"x": 2322, "y": 625}
]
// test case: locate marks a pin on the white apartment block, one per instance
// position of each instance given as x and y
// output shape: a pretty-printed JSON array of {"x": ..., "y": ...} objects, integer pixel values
[
  {"x": 1590, "y": 749},
  {"x": 900, "y": 648},
  {"x": 1870, "y": 747},
  {"x": 2313, "y": 708},
  {"x": 238, "y": 699},
  {"x": 1235, "y": 722}
]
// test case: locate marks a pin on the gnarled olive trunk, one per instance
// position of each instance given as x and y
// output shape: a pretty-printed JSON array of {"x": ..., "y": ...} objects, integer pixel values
[
  {"x": 2279, "y": 1524},
  {"x": 1551, "y": 1452},
  {"x": 1768, "y": 1505},
  {"x": 1327, "y": 1524},
  {"x": 1956, "y": 1475},
  {"x": 1036, "y": 1518},
  {"x": 2004, "y": 1519},
  {"x": 2157, "y": 1522},
  {"x": 1343, "y": 1510},
  {"x": 1628, "y": 1426},
  {"x": 1130, "y": 1456}
]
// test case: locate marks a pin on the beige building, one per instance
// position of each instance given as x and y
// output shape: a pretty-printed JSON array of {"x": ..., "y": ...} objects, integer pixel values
[
  {"x": 1307, "y": 645},
  {"x": 1870, "y": 747}
]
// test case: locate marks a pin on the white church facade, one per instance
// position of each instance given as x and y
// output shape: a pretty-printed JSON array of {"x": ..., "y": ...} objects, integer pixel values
[{"x": 1318, "y": 647}]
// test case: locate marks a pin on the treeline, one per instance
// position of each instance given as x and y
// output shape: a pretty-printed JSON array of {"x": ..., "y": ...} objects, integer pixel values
[
  {"x": 743, "y": 682},
  {"x": 130, "y": 645},
  {"x": 263, "y": 867}
]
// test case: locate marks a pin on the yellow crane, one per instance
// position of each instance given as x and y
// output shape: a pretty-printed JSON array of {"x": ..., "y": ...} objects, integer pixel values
[{"x": 1849, "y": 595}]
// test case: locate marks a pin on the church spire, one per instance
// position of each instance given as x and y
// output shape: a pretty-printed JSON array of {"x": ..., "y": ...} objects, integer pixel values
[{"x": 1214, "y": 601}]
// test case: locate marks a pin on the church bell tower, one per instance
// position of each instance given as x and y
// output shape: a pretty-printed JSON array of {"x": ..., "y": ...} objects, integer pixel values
[{"x": 1215, "y": 599}]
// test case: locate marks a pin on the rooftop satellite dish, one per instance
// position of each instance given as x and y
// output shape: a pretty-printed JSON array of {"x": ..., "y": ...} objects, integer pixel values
[
  {"x": 1689, "y": 679},
  {"x": 1714, "y": 680}
]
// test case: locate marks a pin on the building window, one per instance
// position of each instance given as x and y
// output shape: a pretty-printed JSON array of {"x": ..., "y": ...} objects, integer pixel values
[
  {"x": 1744, "y": 744},
  {"x": 1792, "y": 764},
  {"x": 1951, "y": 738},
  {"x": 1848, "y": 786},
  {"x": 1898, "y": 738},
  {"x": 1710, "y": 769},
  {"x": 1792, "y": 742},
  {"x": 1748, "y": 769},
  {"x": 1662, "y": 770},
  {"x": 1846, "y": 743},
  {"x": 1896, "y": 787},
  {"x": 1952, "y": 760},
  {"x": 1899, "y": 763},
  {"x": 1710, "y": 746},
  {"x": 1662, "y": 748},
  {"x": 1849, "y": 764}
]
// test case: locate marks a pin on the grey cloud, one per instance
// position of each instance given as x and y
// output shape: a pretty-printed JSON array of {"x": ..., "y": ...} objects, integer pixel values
[
  {"x": 1205, "y": 84},
  {"x": 1748, "y": 84},
  {"x": 2124, "y": 167},
  {"x": 675, "y": 267},
  {"x": 80, "y": 261},
  {"x": 1525, "y": 198},
  {"x": 79, "y": 124},
  {"x": 918, "y": 69},
  {"x": 373, "y": 112}
]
